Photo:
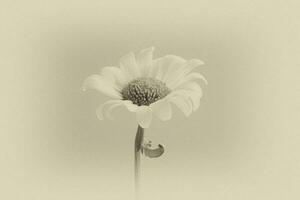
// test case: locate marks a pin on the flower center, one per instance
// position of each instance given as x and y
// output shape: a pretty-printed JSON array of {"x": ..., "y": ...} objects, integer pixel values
[{"x": 144, "y": 91}]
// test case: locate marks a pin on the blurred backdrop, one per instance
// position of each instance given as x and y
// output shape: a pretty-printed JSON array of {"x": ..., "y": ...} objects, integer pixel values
[{"x": 243, "y": 142}]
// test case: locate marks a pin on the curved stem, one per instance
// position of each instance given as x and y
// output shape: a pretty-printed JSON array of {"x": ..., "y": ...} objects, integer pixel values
[{"x": 139, "y": 138}]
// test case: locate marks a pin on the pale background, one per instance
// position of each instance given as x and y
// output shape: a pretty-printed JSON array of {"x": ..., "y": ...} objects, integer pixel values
[{"x": 243, "y": 142}]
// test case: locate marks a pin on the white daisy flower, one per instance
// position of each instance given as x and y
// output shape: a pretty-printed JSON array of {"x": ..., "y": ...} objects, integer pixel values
[{"x": 148, "y": 87}]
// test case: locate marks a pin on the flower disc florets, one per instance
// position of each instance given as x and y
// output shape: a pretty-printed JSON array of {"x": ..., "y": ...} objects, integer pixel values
[{"x": 144, "y": 91}]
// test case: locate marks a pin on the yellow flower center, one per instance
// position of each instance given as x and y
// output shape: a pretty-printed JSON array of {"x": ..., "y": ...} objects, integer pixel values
[{"x": 144, "y": 91}]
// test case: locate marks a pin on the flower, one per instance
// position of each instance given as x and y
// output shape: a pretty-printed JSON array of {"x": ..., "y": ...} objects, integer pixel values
[{"x": 148, "y": 86}]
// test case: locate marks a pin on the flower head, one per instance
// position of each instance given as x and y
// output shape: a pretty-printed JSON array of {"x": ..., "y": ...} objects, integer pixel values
[{"x": 148, "y": 86}]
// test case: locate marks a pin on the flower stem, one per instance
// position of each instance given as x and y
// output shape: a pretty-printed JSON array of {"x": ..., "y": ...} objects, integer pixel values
[{"x": 139, "y": 138}]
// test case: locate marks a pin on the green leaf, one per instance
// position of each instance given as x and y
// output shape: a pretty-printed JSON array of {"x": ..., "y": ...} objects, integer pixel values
[{"x": 151, "y": 151}]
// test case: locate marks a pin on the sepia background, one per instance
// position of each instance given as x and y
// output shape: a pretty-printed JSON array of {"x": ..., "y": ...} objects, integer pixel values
[{"x": 243, "y": 142}]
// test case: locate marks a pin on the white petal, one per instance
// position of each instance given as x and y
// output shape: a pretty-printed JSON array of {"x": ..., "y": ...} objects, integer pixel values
[
  {"x": 193, "y": 96},
  {"x": 130, "y": 106},
  {"x": 101, "y": 84},
  {"x": 110, "y": 104},
  {"x": 194, "y": 76},
  {"x": 164, "y": 65},
  {"x": 107, "y": 108},
  {"x": 158, "y": 69},
  {"x": 181, "y": 72},
  {"x": 144, "y": 116},
  {"x": 116, "y": 76},
  {"x": 196, "y": 62},
  {"x": 187, "y": 78},
  {"x": 162, "y": 109},
  {"x": 129, "y": 66},
  {"x": 173, "y": 63},
  {"x": 144, "y": 60},
  {"x": 110, "y": 109},
  {"x": 192, "y": 86},
  {"x": 153, "y": 71},
  {"x": 182, "y": 103}
]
